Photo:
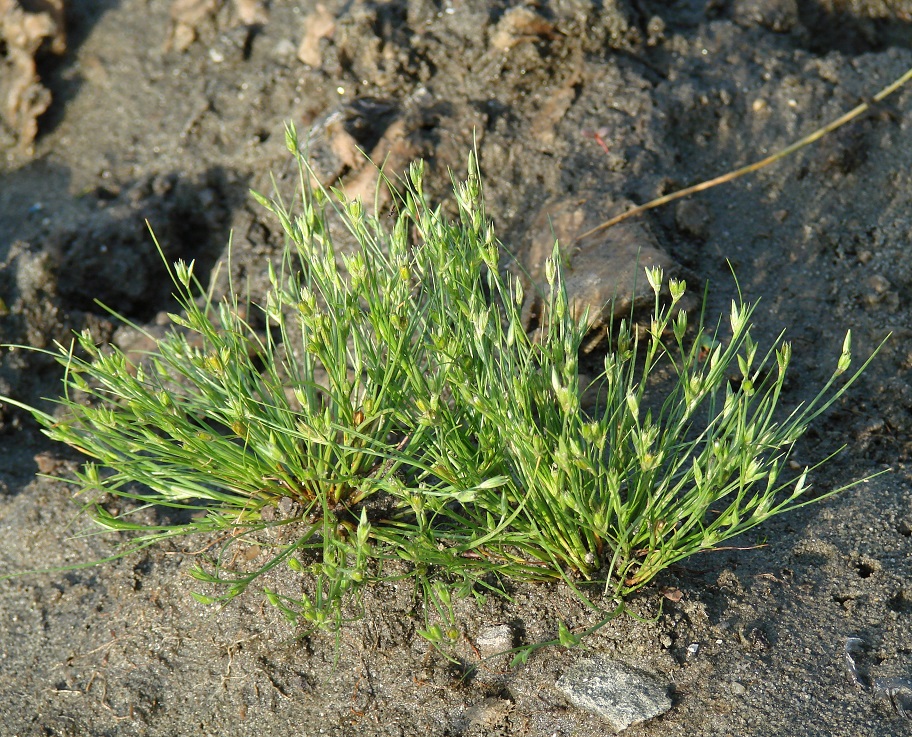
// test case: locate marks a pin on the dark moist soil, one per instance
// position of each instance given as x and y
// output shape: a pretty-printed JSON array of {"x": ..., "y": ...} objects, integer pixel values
[{"x": 678, "y": 93}]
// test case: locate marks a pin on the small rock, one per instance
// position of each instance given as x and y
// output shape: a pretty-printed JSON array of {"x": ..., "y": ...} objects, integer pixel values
[
  {"x": 288, "y": 507},
  {"x": 604, "y": 271},
  {"x": 619, "y": 693},
  {"x": 737, "y": 689},
  {"x": 494, "y": 640},
  {"x": 48, "y": 463}
]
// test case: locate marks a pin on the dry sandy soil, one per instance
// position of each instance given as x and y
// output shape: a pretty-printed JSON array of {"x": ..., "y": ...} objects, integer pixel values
[{"x": 172, "y": 116}]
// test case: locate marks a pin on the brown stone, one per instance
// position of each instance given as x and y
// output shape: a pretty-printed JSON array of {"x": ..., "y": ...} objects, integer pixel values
[{"x": 603, "y": 272}]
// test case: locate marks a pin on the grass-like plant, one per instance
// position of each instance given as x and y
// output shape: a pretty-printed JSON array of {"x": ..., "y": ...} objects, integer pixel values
[{"x": 391, "y": 406}]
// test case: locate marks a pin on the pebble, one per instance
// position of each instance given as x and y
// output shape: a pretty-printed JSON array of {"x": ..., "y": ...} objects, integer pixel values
[
  {"x": 494, "y": 640},
  {"x": 619, "y": 693}
]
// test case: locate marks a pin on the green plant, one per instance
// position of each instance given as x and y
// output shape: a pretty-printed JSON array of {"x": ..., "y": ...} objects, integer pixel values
[{"x": 392, "y": 407}]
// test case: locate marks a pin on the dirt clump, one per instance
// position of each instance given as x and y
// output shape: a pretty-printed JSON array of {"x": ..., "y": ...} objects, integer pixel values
[{"x": 27, "y": 30}]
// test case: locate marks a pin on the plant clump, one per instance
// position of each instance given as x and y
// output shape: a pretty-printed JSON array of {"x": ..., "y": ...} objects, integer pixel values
[{"x": 395, "y": 409}]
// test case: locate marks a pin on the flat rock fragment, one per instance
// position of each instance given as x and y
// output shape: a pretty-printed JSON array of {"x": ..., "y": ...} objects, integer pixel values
[
  {"x": 603, "y": 272},
  {"x": 617, "y": 692}
]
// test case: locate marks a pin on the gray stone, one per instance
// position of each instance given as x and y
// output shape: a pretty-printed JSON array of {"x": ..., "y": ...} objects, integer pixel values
[
  {"x": 619, "y": 693},
  {"x": 494, "y": 640}
]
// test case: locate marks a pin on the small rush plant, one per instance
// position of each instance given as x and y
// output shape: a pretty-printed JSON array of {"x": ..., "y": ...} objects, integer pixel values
[{"x": 385, "y": 404}]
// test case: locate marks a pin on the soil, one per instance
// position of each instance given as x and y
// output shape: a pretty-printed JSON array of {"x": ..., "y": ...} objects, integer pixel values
[{"x": 158, "y": 114}]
